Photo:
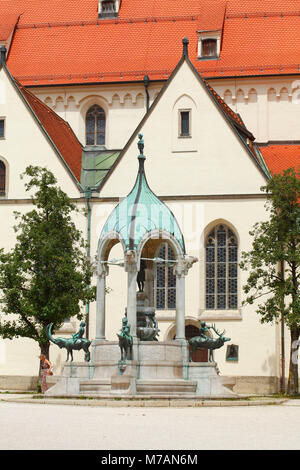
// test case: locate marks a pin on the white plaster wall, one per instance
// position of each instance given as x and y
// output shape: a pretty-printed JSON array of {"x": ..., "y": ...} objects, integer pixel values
[
  {"x": 251, "y": 97},
  {"x": 220, "y": 165},
  {"x": 124, "y": 106},
  {"x": 25, "y": 144},
  {"x": 269, "y": 106}
]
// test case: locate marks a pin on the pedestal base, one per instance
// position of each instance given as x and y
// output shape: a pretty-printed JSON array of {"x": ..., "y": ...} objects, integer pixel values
[{"x": 157, "y": 369}]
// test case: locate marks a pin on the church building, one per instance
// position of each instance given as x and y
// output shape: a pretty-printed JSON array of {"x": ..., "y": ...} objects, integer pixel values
[{"x": 213, "y": 86}]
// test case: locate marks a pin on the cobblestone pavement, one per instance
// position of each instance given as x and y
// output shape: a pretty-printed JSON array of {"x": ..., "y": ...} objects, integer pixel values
[{"x": 50, "y": 427}]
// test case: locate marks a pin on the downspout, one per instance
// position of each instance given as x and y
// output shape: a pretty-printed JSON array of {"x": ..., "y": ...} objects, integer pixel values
[
  {"x": 88, "y": 195},
  {"x": 146, "y": 84}
]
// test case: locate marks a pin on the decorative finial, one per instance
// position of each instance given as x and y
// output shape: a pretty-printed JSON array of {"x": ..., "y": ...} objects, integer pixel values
[
  {"x": 141, "y": 147},
  {"x": 2, "y": 54},
  {"x": 185, "y": 43}
]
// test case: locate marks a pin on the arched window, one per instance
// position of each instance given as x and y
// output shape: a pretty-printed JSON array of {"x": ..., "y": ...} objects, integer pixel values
[
  {"x": 2, "y": 178},
  {"x": 95, "y": 126},
  {"x": 165, "y": 280},
  {"x": 221, "y": 269}
]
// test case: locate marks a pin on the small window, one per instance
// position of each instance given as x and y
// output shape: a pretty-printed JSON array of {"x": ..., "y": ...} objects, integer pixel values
[
  {"x": 184, "y": 125},
  {"x": 2, "y": 128},
  {"x": 232, "y": 352},
  {"x": 95, "y": 126},
  {"x": 2, "y": 178},
  {"x": 108, "y": 9},
  {"x": 209, "y": 48}
]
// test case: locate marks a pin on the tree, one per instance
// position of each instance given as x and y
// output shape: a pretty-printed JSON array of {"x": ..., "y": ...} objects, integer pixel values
[
  {"x": 273, "y": 262},
  {"x": 44, "y": 278}
]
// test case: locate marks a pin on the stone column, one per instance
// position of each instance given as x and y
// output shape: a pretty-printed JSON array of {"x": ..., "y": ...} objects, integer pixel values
[
  {"x": 131, "y": 269},
  {"x": 181, "y": 270},
  {"x": 101, "y": 294},
  {"x": 180, "y": 302}
]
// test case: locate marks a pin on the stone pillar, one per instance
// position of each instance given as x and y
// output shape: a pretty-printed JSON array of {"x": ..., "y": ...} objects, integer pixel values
[
  {"x": 131, "y": 268},
  {"x": 131, "y": 300},
  {"x": 180, "y": 303},
  {"x": 101, "y": 294},
  {"x": 181, "y": 270}
]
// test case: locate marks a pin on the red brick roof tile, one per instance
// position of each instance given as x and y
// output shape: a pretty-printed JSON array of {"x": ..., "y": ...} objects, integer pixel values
[
  {"x": 64, "y": 42},
  {"x": 279, "y": 157},
  {"x": 58, "y": 130}
]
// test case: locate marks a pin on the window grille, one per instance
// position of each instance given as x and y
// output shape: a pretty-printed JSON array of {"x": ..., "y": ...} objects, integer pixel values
[
  {"x": 95, "y": 126},
  {"x": 165, "y": 280},
  {"x": 221, "y": 269}
]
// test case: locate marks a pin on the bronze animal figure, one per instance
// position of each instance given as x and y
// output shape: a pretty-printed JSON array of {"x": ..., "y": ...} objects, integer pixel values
[
  {"x": 208, "y": 343},
  {"x": 70, "y": 344}
]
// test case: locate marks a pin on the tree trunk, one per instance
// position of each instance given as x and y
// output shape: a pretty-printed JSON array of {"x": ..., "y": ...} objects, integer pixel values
[
  {"x": 293, "y": 385},
  {"x": 45, "y": 347}
]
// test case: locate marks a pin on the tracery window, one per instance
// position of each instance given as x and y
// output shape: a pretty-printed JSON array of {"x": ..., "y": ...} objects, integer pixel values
[
  {"x": 165, "y": 280},
  {"x": 221, "y": 269},
  {"x": 95, "y": 126},
  {"x": 2, "y": 178}
]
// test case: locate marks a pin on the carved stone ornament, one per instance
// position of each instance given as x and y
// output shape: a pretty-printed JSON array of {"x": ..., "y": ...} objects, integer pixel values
[
  {"x": 183, "y": 266},
  {"x": 130, "y": 260}
]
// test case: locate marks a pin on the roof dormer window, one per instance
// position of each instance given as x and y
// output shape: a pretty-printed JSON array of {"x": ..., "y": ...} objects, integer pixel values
[
  {"x": 209, "y": 45},
  {"x": 109, "y": 8},
  {"x": 209, "y": 48}
]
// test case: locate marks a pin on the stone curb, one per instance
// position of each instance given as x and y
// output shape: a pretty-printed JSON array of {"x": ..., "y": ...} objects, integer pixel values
[{"x": 146, "y": 403}]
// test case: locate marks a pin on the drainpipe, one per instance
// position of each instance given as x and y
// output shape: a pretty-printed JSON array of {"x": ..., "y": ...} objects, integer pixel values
[
  {"x": 146, "y": 84},
  {"x": 88, "y": 195}
]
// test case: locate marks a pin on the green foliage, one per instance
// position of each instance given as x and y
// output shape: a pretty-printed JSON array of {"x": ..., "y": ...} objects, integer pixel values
[
  {"x": 44, "y": 278},
  {"x": 277, "y": 241},
  {"x": 274, "y": 262}
]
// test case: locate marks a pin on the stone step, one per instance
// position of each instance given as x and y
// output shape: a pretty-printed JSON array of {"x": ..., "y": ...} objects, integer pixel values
[
  {"x": 162, "y": 386},
  {"x": 92, "y": 386}
]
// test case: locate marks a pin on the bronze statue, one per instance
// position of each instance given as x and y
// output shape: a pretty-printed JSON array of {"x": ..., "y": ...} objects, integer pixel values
[
  {"x": 77, "y": 342},
  {"x": 125, "y": 340},
  {"x": 141, "y": 276},
  {"x": 205, "y": 342},
  {"x": 77, "y": 336}
]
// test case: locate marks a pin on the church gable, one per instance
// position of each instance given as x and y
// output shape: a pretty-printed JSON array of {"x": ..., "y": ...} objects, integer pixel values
[
  {"x": 35, "y": 135},
  {"x": 195, "y": 144}
]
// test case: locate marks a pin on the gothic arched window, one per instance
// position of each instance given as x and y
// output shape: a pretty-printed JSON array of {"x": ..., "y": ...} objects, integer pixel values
[
  {"x": 165, "y": 279},
  {"x": 95, "y": 126},
  {"x": 2, "y": 178},
  {"x": 221, "y": 269}
]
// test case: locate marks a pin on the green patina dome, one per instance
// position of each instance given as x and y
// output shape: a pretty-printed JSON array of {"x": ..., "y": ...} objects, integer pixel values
[{"x": 141, "y": 212}]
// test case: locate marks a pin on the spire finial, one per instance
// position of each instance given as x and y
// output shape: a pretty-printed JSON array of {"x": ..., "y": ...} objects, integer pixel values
[
  {"x": 141, "y": 147},
  {"x": 3, "y": 54},
  {"x": 185, "y": 43}
]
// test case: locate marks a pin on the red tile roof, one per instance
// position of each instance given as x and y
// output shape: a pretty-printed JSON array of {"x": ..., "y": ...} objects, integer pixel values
[
  {"x": 58, "y": 130},
  {"x": 8, "y": 22},
  {"x": 279, "y": 157},
  {"x": 64, "y": 42}
]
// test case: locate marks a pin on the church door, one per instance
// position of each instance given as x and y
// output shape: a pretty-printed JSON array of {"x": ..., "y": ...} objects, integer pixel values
[{"x": 200, "y": 355}]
